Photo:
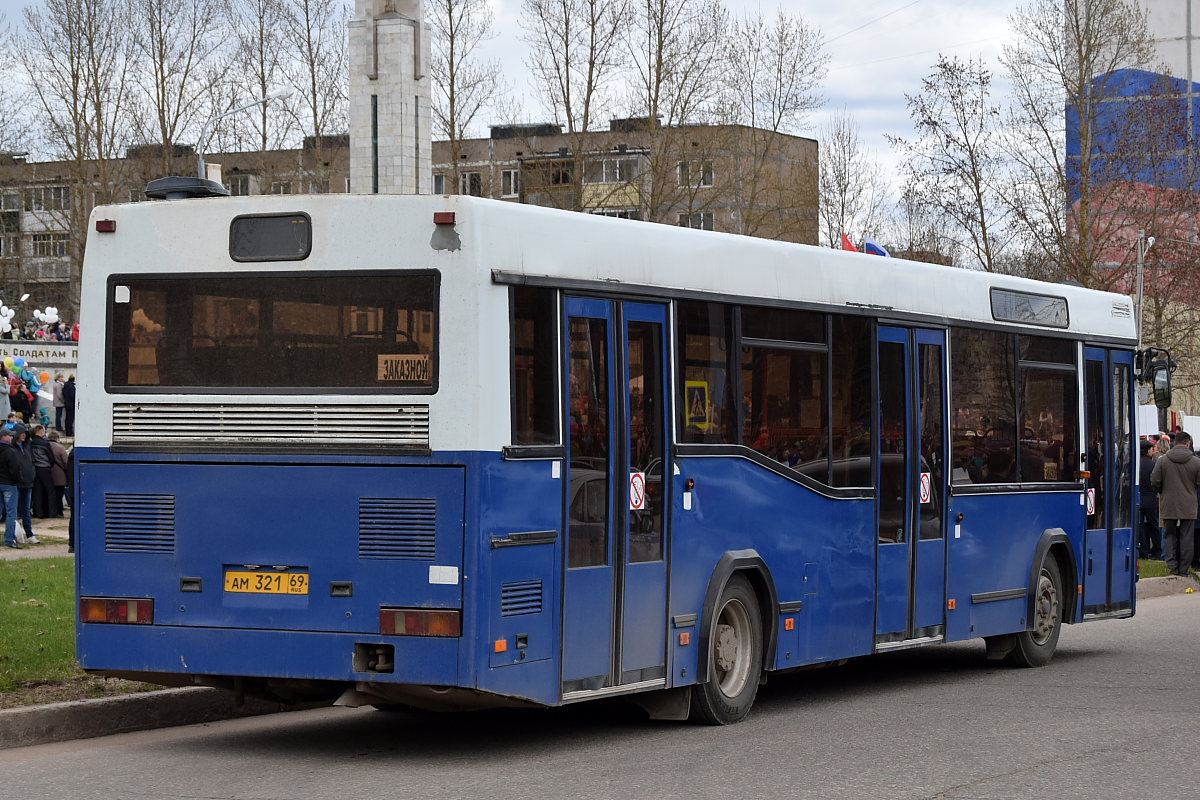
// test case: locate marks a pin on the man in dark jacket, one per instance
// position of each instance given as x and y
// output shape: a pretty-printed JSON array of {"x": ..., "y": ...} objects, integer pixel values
[
  {"x": 1175, "y": 477},
  {"x": 1149, "y": 534},
  {"x": 69, "y": 406},
  {"x": 25, "y": 484},
  {"x": 10, "y": 476}
]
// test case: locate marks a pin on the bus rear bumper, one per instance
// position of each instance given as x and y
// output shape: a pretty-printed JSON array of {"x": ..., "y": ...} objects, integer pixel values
[{"x": 207, "y": 656}]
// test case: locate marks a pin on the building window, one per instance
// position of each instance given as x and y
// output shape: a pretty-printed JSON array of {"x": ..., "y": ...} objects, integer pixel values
[
  {"x": 618, "y": 213},
  {"x": 613, "y": 170},
  {"x": 701, "y": 220},
  {"x": 510, "y": 183},
  {"x": 48, "y": 245},
  {"x": 695, "y": 174},
  {"x": 10, "y": 246},
  {"x": 318, "y": 186},
  {"x": 281, "y": 187},
  {"x": 471, "y": 183},
  {"x": 439, "y": 183},
  {"x": 10, "y": 201},
  {"x": 560, "y": 176},
  {"x": 48, "y": 198},
  {"x": 239, "y": 185}
]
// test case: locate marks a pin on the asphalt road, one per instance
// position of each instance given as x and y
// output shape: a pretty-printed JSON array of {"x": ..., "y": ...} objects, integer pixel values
[{"x": 1116, "y": 715}]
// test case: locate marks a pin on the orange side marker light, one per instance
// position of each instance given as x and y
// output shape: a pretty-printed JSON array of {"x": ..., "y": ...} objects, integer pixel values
[
  {"x": 501, "y": 645},
  {"x": 951, "y": 604},
  {"x": 789, "y": 624},
  {"x": 685, "y": 638}
]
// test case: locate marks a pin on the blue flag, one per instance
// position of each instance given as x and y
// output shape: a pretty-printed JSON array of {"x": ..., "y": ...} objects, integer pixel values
[{"x": 875, "y": 248}]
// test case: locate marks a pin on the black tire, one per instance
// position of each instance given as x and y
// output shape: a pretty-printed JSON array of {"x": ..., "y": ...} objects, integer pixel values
[
  {"x": 1035, "y": 647},
  {"x": 735, "y": 655}
]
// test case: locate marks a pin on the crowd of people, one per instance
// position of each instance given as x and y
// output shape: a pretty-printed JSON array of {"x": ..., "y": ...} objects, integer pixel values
[
  {"x": 42, "y": 332},
  {"x": 35, "y": 464},
  {"x": 1169, "y": 480}
]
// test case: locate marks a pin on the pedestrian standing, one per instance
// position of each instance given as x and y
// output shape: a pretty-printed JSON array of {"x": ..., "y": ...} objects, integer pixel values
[
  {"x": 58, "y": 401},
  {"x": 69, "y": 406},
  {"x": 1149, "y": 534},
  {"x": 58, "y": 473},
  {"x": 25, "y": 484},
  {"x": 42, "y": 456},
  {"x": 1176, "y": 477},
  {"x": 10, "y": 476}
]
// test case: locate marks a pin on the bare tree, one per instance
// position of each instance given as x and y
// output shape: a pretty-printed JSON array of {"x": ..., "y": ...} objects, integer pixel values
[
  {"x": 257, "y": 68},
  {"x": 574, "y": 54},
  {"x": 774, "y": 69},
  {"x": 463, "y": 83},
  {"x": 853, "y": 187},
  {"x": 15, "y": 121},
  {"x": 674, "y": 53},
  {"x": 175, "y": 47},
  {"x": 316, "y": 31},
  {"x": 1081, "y": 55},
  {"x": 956, "y": 163},
  {"x": 75, "y": 55}
]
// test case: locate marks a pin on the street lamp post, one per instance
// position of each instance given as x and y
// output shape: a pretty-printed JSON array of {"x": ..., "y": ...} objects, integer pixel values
[
  {"x": 1144, "y": 243},
  {"x": 202, "y": 139}
]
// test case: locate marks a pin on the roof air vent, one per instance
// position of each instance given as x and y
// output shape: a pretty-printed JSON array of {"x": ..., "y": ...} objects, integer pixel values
[{"x": 178, "y": 187}]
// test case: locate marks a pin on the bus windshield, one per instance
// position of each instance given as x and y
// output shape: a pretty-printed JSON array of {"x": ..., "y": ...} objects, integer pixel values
[{"x": 272, "y": 331}]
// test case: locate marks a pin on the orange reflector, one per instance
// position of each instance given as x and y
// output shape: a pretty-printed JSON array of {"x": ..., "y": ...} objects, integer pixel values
[
  {"x": 106, "y": 226},
  {"x": 789, "y": 624},
  {"x": 685, "y": 638},
  {"x": 127, "y": 610},
  {"x": 951, "y": 604},
  {"x": 1080, "y": 589},
  {"x": 420, "y": 622},
  {"x": 1085, "y": 474},
  {"x": 501, "y": 645},
  {"x": 443, "y": 218}
]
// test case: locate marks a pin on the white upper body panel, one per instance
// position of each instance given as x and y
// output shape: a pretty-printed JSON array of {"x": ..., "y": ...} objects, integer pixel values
[{"x": 470, "y": 410}]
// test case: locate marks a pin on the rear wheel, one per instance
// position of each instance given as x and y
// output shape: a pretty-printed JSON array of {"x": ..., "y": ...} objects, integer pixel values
[
  {"x": 734, "y": 657},
  {"x": 1035, "y": 647}
]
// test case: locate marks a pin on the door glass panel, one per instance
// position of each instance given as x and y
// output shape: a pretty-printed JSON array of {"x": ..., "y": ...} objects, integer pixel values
[
  {"x": 587, "y": 531},
  {"x": 1122, "y": 448},
  {"x": 851, "y": 388},
  {"x": 646, "y": 439},
  {"x": 932, "y": 418},
  {"x": 893, "y": 439},
  {"x": 1093, "y": 387}
]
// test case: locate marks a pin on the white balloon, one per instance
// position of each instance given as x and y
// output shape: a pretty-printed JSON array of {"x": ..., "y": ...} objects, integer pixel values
[
  {"x": 3, "y": 311},
  {"x": 24, "y": 297},
  {"x": 12, "y": 312}
]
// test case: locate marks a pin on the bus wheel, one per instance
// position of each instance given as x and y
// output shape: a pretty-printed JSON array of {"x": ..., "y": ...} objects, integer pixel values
[
  {"x": 1035, "y": 647},
  {"x": 734, "y": 657}
]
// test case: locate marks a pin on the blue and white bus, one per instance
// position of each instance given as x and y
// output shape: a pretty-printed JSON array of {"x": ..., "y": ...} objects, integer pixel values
[{"x": 447, "y": 452}]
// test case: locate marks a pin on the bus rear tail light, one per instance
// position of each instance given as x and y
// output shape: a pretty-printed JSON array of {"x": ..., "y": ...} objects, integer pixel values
[
  {"x": 420, "y": 622},
  {"x": 127, "y": 610}
]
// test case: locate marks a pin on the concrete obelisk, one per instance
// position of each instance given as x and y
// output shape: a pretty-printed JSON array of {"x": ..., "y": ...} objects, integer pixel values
[{"x": 390, "y": 131}]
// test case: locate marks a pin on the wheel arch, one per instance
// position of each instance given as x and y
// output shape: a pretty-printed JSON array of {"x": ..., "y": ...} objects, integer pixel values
[
  {"x": 1055, "y": 544},
  {"x": 750, "y": 564}
]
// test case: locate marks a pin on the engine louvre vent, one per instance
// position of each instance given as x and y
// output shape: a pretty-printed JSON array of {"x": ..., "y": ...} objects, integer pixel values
[
  {"x": 139, "y": 523},
  {"x": 245, "y": 424},
  {"x": 520, "y": 597},
  {"x": 397, "y": 529}
]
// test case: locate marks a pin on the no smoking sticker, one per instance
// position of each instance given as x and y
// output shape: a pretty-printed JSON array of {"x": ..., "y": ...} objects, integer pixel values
[
  {"x": 926, "y": 487},
  {"x": 637, "y": 491},
  {"x": 1091, "y": 501}
]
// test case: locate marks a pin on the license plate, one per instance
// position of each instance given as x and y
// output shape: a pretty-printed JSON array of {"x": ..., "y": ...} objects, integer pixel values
[{"x": 258, "y": 582}]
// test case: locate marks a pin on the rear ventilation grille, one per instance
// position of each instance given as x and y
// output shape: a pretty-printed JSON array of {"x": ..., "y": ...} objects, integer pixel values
[
  {"x": 520, "y": 597},
  {"x": 245, "y": 424},
  {"x": 139, "y": 523},
  {"x": 397, "y": 530}
]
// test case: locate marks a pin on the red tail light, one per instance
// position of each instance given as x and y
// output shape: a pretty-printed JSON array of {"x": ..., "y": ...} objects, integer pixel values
[
  {"x": 420, "y": 622},
  {"x": 127, "y": 610}
]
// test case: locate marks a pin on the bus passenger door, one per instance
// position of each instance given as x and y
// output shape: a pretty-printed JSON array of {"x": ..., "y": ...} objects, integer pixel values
[
  {"x": 911, "y": 481},
  {"x": 614, "y": 589},
  {"x": 1109, "y": 552}
]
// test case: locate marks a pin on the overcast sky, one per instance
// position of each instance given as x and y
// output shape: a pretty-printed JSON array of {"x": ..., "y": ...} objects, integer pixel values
[{"x": 880, "y": 50}]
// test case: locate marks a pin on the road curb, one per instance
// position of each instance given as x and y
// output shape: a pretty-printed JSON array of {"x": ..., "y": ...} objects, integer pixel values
[
  {"x": 1148, "y": 588},
  {"x": 87, "y": 719}
]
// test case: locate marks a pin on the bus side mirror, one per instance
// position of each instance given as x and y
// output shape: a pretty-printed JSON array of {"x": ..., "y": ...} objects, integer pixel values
[{"x": 1160, "y": 384}]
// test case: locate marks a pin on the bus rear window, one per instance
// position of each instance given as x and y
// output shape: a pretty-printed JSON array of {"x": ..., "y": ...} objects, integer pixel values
[{"x": 256, "y": 332}]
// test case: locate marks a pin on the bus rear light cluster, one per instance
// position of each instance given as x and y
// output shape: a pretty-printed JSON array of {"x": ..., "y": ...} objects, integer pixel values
[
  {"x": 420, "y": 622},
  {"x": 126, "y": 610}
]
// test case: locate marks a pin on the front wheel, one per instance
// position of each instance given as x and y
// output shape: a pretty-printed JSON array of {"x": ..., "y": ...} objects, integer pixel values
[
  {"x": 734, "y": 657},
  {"x": 1035, "y": 647}
]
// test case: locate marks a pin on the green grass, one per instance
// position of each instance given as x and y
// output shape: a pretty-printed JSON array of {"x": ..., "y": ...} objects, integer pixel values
[
  {"x": 1152, "y": 569},
  {"x": 37, "y": 621}
]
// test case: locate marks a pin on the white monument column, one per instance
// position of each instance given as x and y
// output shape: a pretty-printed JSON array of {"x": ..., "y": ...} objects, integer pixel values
[{"x": 390, "y": 131}]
